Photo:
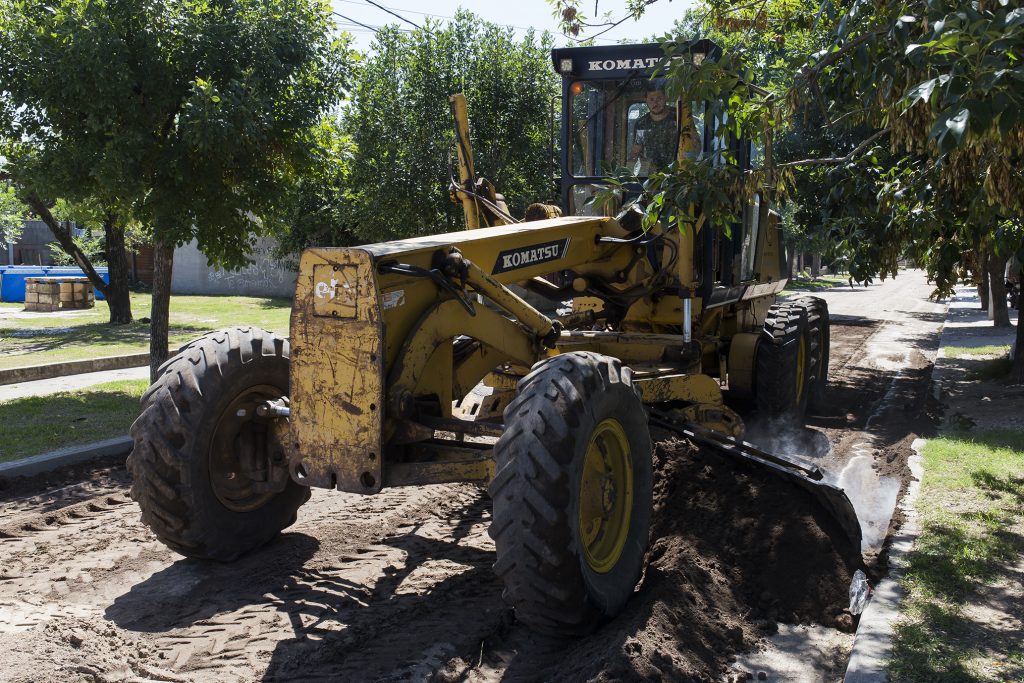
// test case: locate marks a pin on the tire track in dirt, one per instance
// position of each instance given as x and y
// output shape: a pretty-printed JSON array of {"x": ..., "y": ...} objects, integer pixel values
[{"x": 360, "y": 587}]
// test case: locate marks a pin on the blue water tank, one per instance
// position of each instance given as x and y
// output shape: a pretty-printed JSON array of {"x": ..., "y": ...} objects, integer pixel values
[
  {"x": 12, "y": 284},
  {"x": 12, "y": 287}
]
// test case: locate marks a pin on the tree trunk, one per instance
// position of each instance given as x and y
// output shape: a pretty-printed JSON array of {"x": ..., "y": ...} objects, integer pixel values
[
  {"x": 118, "y": 295},
  {"x": 163, "y": 262},
  {"x": 816, "y": 265},
  {"x": 997, "y": 311},
  {"x": 1017, "y": 369},
  {"x": 983, "y": 274}
]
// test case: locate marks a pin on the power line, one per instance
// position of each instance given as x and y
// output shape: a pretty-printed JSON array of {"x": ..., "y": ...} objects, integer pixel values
[
  {"x": 433, "y": 16},
  {"x": 349, "y": 26},
  {"x": 396, "y": 14},
  {"x": 353, "y": 21}
]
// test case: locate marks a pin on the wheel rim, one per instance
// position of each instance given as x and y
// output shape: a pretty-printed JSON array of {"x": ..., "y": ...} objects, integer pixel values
[
  {"x": 606, "y": 496},
  {"x": 801, "y": 366},
  {"x": 239, "y": 446}
]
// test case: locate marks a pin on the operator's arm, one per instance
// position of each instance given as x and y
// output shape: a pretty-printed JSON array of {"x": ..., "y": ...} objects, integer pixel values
[{"x": 639, "y": 134}]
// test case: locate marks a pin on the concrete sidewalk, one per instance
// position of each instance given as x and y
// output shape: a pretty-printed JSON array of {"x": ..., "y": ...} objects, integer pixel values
[
  {"x": 966, "y": 326},
  {"x": 44, "y": 387}
]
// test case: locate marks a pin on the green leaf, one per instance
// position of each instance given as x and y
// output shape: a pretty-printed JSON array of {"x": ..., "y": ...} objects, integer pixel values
[{"x": 922, "y": 91}]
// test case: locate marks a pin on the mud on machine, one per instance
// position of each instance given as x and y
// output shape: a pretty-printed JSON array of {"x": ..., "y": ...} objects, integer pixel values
[{"x": 421, "y": 361}]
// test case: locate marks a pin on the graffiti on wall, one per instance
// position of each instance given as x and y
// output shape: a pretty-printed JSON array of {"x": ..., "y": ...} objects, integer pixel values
[
  {"x": 265, "y": 275},
  {"x": 265, "y": 272}
]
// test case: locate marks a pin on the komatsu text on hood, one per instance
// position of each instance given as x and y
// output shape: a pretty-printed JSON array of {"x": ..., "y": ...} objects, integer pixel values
[
  {"x": 512, "y": 259},
  {"x": 622, "y": 64}
]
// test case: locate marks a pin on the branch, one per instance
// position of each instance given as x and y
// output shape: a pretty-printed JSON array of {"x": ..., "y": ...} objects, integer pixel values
[
  {"x": 64, "y": 238},
  {"x": 610, "y": 25},
  {"x": 835, "y": 161},
  {"x": 843, "y": 117}
]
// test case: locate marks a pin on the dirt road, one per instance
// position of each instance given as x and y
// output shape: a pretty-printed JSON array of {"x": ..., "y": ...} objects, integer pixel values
[{"x": 399, "y": 587}]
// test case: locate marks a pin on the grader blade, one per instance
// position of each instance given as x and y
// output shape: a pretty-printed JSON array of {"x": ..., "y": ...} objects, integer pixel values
[{"x": 793, "y": 468}]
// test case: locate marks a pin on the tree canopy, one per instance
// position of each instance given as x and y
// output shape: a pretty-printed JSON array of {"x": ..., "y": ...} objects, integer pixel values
[
  {"x": 193, "y": 118},
  {"x": 400, "y": 125}
]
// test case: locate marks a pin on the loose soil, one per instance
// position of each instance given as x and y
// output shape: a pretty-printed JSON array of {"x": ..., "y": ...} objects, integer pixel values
[{"x": 398, "y": 586}]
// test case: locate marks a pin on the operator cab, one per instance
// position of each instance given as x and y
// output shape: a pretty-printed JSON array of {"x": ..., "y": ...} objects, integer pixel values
[{"x": 617, "y": 122}]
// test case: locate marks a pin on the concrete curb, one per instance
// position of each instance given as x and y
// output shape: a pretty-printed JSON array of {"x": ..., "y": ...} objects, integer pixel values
[
  {"x": 31, "y": 373},
  {"x": 119, "y": 446}
]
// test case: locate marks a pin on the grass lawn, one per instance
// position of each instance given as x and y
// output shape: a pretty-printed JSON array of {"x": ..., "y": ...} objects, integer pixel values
[
  {"x": 34, "y": 338},
  {"x": 40, "y": 424},
  {"x": 960, "y": 575},
  {"x": 817, "y": 284},
  {"x": 990, "y": 350}
]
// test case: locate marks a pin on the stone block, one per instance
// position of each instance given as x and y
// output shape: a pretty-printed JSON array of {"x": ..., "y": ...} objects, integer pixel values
[
  {"x": 41, "y": 307},
  {"x": 67, "y": 288},
  {"x": 49, "y": 299},
  {"x": 31, "y": 297}
]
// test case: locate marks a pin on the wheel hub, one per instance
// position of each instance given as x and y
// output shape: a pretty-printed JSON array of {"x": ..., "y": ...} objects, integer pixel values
[
  {"x": 606, "y": 496},
  {"x": 246, "y": 467}
]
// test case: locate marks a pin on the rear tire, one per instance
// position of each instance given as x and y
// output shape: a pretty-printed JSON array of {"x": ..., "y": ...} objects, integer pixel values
[
  {"x": 572, "y": 493},
  {"x": 780, "y": 382},
  {"x": 186, "y": 469}
]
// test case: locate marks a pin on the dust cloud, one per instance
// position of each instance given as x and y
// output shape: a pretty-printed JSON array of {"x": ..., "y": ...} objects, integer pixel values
[{"x": 873, "y": 497}]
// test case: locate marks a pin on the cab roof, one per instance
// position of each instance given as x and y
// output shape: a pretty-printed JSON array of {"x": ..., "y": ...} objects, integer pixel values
[{"x": 619, "y": 61}]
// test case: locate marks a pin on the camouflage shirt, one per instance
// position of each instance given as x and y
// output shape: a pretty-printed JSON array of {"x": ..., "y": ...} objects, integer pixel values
[{"x": 657, "y": 139}]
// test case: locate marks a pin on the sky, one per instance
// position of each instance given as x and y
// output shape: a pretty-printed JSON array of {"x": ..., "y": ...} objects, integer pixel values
[{"x": 520, "y": 14}]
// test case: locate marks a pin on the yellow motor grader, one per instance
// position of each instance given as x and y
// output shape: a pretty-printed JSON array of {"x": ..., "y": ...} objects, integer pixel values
[{"x": 420, "y": 361}]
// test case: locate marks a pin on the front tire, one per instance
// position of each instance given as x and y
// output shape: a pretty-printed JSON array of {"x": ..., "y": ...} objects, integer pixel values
[
  {"x": 205, "y": 470},
  {"x": 572, "y": 493}
]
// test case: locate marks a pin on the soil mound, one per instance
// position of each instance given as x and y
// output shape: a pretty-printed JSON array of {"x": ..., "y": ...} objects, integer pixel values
[{"x": 734, "y": 550}]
